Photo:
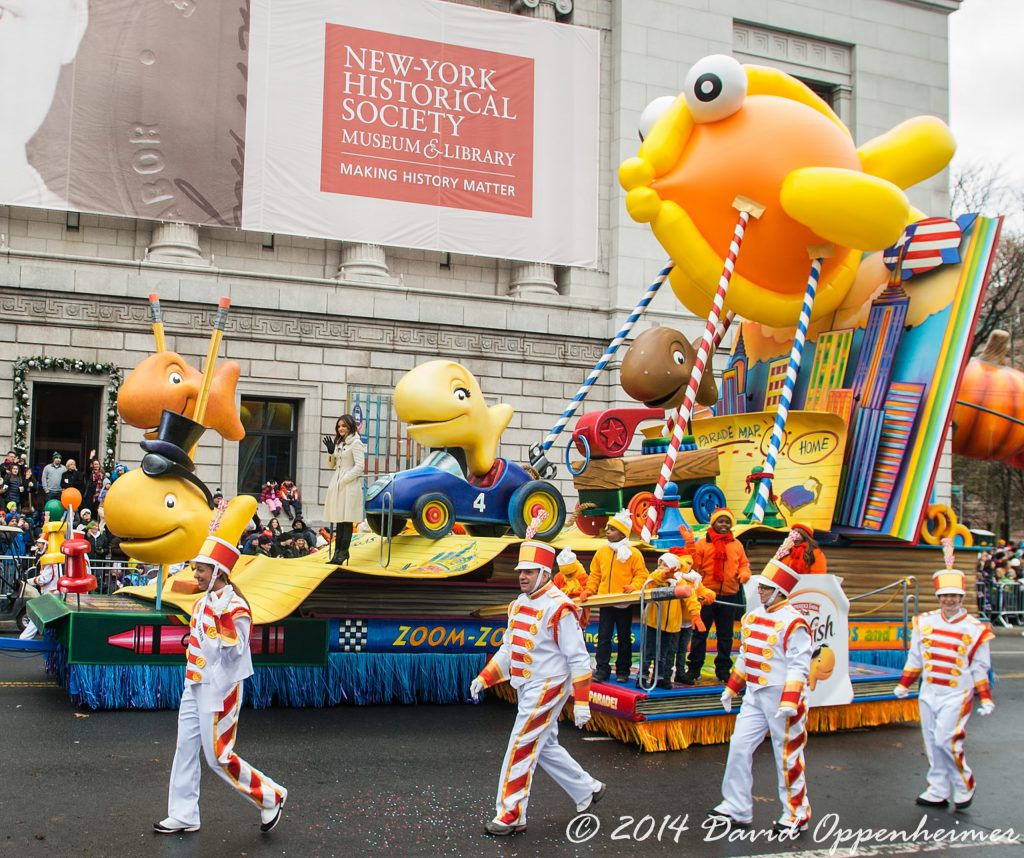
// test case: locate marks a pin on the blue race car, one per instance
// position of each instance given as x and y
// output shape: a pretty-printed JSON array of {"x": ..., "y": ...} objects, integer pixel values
[{"x": 436, "y": 494}]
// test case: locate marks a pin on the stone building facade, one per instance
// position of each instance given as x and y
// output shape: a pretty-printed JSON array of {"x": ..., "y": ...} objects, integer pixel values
[{"x": 323, "y": 324}]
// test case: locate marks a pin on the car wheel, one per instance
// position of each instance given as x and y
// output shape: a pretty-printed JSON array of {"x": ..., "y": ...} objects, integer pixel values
[
  {"x": 591, "y": 525},
  {"x": 638, "y": 507},
  {"x": 529, "y": 499},
  {"x": 433, "y": 515},
  {"x": 378, "y": 523},
  {"x": 706, "y": 500}
]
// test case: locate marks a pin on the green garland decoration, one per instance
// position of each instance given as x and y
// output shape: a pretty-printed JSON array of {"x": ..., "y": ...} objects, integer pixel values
[{"x": 22, "y": 366}]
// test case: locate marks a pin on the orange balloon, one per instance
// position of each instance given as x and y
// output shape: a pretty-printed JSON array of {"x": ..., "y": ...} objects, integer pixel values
[{"x": 71, "y": 497}]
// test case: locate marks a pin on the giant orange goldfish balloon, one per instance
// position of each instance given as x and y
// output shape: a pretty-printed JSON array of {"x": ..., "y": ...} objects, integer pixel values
[{"x": 759, "y": 133}]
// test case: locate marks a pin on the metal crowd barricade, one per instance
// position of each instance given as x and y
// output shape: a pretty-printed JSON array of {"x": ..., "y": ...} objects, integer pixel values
[
  {"x": 1002, "y": 602},
  {"x": 113, "y": 574},
  {"x": 909, "y": 596}
]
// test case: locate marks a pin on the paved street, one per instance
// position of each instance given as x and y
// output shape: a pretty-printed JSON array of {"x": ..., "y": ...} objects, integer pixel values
[{"x": 419, "y": 781}]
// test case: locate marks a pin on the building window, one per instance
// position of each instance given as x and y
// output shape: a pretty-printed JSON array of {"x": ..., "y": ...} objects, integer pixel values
[
  {"x": 825, "y": 91},
  {"x": 267, "y": 452},
  {"x": 388, "y": 447}
]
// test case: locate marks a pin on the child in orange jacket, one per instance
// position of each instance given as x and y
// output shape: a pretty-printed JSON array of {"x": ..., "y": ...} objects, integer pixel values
[
  {"x": 722, "y": 563},
  {"x": 617, "y": 567},
  {"x": 572, "y": 580},
  {"x": 671, "y": 570}
]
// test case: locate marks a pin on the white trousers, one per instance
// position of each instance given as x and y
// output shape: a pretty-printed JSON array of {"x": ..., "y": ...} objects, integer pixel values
[
  {"x": 213, "y": 730},
  {"x": 789, "y": 735},
  {"x": 29, "y": 632},
  {"x": 944, "y": 726},
  {"x": 534, "y": 741}
]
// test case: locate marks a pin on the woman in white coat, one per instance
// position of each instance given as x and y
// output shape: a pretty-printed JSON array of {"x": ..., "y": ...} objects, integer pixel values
[{"x": 344, "y": 506}]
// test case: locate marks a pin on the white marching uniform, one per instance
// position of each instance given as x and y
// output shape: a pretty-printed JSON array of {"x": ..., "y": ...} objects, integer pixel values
[
  {"x": 46, "y": 581},
  {"x": 953, "y": 656},
  {"x": 544, "y": 657},
  {"x": 218, "y": 660},
  {"x": 773, "y": 664}
]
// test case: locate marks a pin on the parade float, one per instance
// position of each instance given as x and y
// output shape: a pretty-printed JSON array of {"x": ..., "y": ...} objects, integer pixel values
[{"x": 850, "y": 316}]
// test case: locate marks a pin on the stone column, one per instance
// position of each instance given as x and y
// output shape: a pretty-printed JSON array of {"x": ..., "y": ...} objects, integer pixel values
[
  {"x": 175, "y": 242},
  {"x": 532, "y": 279},
  {"x": 536, "y": 279},
  {"x": 843, "y": 103},
  {"x": 362, "y": 262}
]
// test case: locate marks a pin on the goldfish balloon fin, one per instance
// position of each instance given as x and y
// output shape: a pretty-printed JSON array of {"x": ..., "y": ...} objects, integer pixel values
[
  {"x": 221, "y": 411},
  {"x": 846, "y": 207},
  {"x": 911, "y": 152}
]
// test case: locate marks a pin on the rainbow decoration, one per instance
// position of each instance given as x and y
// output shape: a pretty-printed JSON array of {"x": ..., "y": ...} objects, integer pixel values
[
  {"x": 911, "y": 496},
  {"x": 899, "y": 415}
]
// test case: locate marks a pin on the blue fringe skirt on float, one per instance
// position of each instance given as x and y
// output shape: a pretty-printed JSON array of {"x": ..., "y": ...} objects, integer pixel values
[{"x": 363, "y": 679}]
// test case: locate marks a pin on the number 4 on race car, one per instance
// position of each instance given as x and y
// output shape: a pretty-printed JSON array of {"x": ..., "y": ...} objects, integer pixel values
[{"x": 480, "y": 504}]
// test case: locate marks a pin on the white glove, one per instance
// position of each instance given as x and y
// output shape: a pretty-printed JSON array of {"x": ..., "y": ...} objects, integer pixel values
[
  {"x": 727, "y": 700},
  {"x": 476, "y": 688},
  {"x": 987, "y": 707},
  {"x": 901, "y": 691},
  {"x": 581, "y": 713},
  {"x": 785, "y": 712}
]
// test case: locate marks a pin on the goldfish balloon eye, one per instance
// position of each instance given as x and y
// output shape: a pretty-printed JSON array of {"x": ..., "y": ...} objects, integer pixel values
[
  {"x": 652, "y": 113},
  {"x": 715, "y": 88}
]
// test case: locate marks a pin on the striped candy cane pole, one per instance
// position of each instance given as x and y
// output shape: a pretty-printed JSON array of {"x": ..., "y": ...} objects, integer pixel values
[
  {"x": 609, "y": 352},
  {"x": 782, "y": 413},
  {"x": 720, "y": 331},
  {"x": 682, "y": 415}
]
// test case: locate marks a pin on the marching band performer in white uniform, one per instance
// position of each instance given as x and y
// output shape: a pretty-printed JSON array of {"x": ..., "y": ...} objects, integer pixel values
[
  {"x": 218, "y": 660},
  {"x": 544, "y": 656},
  {"x": 949, "y": 653},
  {"x": 774, "y": 661}
]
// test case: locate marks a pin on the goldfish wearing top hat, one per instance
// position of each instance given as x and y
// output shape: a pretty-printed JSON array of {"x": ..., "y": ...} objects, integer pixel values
[
  {"x": 166, "y": 381},
  {"x": 442, "y": 402},
  {"x": 755, "y": 132}
]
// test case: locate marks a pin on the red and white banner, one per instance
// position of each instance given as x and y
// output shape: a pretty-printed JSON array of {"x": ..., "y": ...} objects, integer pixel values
[{"x": 423, "y": 124}]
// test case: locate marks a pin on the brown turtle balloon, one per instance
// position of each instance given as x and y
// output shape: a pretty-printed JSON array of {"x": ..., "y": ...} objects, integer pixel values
[{"x": 657, "y": 367}]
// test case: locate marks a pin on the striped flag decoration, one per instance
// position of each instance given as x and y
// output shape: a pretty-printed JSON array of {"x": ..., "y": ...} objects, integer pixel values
[{"x": 927, "y": 245}]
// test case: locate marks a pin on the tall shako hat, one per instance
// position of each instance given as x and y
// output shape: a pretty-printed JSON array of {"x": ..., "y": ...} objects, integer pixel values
[
  {"x": 777, "y": 574},
  {"x": 949, "y": 580},
  {"x": 536, "y": 555}
]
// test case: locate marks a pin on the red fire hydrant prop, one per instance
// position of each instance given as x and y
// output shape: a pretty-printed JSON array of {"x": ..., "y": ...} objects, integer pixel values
[{"x": 76, "y": 578}]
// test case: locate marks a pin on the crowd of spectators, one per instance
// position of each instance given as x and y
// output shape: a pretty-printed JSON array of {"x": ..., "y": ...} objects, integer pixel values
[{"x": 1005, "y": 562}]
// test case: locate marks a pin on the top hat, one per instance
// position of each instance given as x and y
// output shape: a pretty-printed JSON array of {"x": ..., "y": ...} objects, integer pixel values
[
  {"x": 948, "y": 580},
  {"x": 175, "y": 436}
]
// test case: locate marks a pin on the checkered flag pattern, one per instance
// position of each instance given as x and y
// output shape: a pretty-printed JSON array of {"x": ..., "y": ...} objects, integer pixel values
[{"x": 353, "y": 635}]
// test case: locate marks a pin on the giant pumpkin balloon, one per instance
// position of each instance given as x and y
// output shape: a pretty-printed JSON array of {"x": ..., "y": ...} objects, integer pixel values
[{"x": 991, "y": 393}]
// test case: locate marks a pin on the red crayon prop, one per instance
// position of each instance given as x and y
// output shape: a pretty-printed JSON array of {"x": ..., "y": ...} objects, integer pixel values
[{"x": 173, "y": 640}]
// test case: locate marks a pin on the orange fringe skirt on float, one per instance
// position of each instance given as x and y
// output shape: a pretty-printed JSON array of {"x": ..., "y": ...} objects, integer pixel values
[{"x": 677, "y": 734}]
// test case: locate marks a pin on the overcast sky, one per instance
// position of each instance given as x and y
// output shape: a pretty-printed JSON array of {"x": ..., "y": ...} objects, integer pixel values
[{"x": 986, "y": 80}]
